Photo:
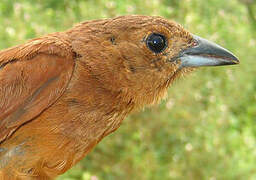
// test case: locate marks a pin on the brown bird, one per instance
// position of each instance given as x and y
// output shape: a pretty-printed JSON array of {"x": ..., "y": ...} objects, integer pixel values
[{"x": 62, "y": 93}]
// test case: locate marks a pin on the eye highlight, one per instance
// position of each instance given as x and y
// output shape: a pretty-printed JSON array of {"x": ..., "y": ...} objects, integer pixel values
[{"x": 156, "y": 42}]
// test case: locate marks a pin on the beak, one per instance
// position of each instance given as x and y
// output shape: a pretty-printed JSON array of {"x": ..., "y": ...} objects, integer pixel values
[{"x": 206, "y": 53}]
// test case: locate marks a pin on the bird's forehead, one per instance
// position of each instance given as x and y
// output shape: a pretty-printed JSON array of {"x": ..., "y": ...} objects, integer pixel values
[
  {"x": 149, "y": 24},
  {"x": 140, "y": 20}
]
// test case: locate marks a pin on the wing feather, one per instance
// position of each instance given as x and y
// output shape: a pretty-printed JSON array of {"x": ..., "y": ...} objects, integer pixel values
[{"x": 32, "y": 77}]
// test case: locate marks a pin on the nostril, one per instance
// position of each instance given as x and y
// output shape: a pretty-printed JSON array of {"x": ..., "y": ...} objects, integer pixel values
[{"x": 195, "y": 43}]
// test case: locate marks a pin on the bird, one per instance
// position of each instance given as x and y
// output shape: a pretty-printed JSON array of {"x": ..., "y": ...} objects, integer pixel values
[{"x": 61, "y": 93}]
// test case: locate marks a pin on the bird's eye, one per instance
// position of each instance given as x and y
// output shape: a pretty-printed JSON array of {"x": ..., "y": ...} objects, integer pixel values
[{"x": 156, "y": 42}]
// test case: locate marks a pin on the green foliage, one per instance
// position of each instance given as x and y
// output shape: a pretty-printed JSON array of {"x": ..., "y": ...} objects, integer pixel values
[{"x": 204, "y": 130}]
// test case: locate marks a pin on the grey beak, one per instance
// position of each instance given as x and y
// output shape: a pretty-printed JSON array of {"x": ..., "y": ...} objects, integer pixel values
[{"x": 206, "y": 53}]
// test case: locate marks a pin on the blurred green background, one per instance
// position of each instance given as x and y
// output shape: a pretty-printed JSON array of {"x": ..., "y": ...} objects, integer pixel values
[{"x": 204, "y": 130}]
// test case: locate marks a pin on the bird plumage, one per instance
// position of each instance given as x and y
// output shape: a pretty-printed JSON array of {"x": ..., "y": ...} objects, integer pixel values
[{"x": 62, "y": 93}]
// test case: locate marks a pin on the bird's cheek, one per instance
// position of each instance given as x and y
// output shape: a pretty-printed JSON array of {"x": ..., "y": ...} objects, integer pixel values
[{"x": 173, "y": 64}]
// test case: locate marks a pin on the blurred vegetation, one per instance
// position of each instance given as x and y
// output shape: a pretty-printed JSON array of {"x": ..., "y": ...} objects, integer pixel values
[{"x": 204, "y": 130}]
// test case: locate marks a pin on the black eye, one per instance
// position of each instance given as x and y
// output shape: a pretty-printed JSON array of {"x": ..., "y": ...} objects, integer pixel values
[{"x": 156, "y": 42}]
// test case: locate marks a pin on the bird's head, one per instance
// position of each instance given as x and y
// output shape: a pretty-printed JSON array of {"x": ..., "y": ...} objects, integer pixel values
[{"x": 139, "y": 56}]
